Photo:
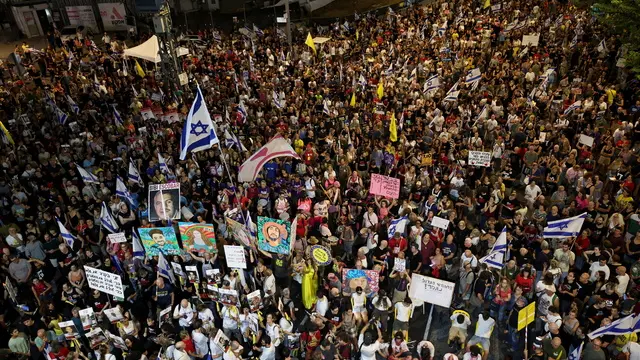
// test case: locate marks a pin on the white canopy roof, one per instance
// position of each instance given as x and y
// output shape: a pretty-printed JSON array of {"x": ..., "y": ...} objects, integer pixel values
[{"x": 149, "y": 50}]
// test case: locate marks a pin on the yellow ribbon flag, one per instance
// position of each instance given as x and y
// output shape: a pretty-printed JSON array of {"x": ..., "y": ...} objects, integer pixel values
[
  {"x": 393, "y": 130},
  {"x": 353, "y": 99},
  {"x": 139, "y": 69},
  {"x": 6, "y": 135},
  {"x": 357, "y": 34},
  {"x": 380, "y": 90},
  {"x": 487, "y": 3},
  {"x": 310, "y": 43}
]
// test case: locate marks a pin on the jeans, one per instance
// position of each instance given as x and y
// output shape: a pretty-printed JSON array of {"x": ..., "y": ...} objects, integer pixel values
[{"x": 514, "y": 338}]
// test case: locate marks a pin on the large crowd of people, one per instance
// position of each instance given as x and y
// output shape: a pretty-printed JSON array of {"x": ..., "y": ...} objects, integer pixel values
[{"x": 407, "y": 94}]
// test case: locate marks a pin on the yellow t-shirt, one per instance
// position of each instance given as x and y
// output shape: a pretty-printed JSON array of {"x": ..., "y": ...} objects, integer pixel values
[{"x": 611, "y": 94}]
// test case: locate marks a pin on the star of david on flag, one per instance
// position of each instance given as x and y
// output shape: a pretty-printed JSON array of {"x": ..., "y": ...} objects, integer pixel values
[{"x": 198, "y": 133}]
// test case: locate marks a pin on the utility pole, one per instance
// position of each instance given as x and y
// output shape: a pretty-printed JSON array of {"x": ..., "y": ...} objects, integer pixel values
[
  {"x": 166, "y": 44},
  {"x": 286, "y": 13}
]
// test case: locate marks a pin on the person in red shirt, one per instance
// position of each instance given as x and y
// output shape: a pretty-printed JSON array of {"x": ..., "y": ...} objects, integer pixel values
[
  {"x": 582, "y": 243},
  {"x": 397, "y": 243},
  {"x": 189, "y": 346}
]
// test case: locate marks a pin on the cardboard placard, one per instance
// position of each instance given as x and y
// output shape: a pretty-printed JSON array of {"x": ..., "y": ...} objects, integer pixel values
[
  {"x": 385, "y": 186},
  {"x": 104, "y": 281}
]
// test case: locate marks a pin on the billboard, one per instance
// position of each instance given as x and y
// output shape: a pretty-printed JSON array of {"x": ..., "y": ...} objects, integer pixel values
[
  {"x": 113, "y": 16},
  {"x": 82, "y": 15}
]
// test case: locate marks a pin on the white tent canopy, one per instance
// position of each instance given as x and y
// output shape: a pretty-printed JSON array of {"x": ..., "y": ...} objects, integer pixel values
[{"x": 149, "y": 50}]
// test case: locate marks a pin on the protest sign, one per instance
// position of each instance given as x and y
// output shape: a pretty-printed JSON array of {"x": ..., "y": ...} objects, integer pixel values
[
  {"x": 159, "y": 240},
  {"x": 87, "y": 318},
  {"x": 69, "y": 329},
  {"x": 104, "y": 281},
  {"x": 440, "y": 223},
  {"x": 164, "y": 202},
  {"x": 321, "y": 254},
  {"x": 198, "y": 237},
  {"x": 192, "y": 274},
  {"x": 366, "y": 279},
  {"x": 96, "y": 337},
  {"x": 114, "y": 314},
  {"x": 399, "y": 265},
  {"x": 273, "y": 235},
  {"x": 116, "y": 238},
  {"x": 255, "y": 300},
  {"x": 431, "y": 290},
  {"x": 587, "y": 140},
  {"x": 235, "y": 256},
  {"x": 479, "y": 158},
  {"x": 385, "y": 186},
  {"x": 530, "y": 40}
]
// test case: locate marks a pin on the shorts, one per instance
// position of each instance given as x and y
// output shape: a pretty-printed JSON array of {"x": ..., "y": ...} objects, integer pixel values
[
  {"x": 484, "y": 342},
  {"x": 456, "y": 332},
  {"x": 400, "y": 325},
  {"x": 359, "y": 309}
]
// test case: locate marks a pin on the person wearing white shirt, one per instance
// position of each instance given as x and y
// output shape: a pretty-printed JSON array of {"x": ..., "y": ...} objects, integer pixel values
[
  {"x": 268, "y": 350},
  {"x": 206, "y": 316},
  {"x": 272, "y": 330},
  {"x": 403, "y": 311},
  {"x": 367, "y": 344},
  {"x": 531, "y": 192},
  {"x": 200, "y": 340},
  {"x": 310, "y": 187},
  {"x": 370, "y": 219},
  {"x": 185, "y": 313},
  {"x": 230, "y": 318},
  {"x": 322, "y": 305},
  {"x": 467, "y": 256},
  {"x": 269, "y": 286},
  {"x": 623, "y": 280},
  {"x": 426, "y": 344},
  {"x": 216, "y": 351},
  {"x": 596, "y": 267},
  {"x": 484, "y": 328},
  {"x": 179, "y": 353},
  {"x": 632, "y": 348}
]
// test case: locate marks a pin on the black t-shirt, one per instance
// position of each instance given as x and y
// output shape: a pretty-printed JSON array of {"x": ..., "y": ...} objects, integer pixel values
[
  {"x": 570, "y": 287},
  {"x": 45, "y": 273},
  {"x": 585, "y": 290},
  {"x": 609, "y": 299},
  {"x": 380, "y": 254}
]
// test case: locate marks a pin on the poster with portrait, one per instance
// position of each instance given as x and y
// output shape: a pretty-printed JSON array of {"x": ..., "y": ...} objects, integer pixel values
[
  {"x": 366, "y": 279},
  {"x": 164, "y": 316},
  {"x": 240, "y": 233},
  {"x": 213, "y": 291},
  {"x": 87, "y": 318},
  {"x": 228, "y": 297},
  {"x": 114, "y": 314},
  {"x": 96, "y": 337},
  {"x": 255, "y": 301},
  {"x": 221, "y": 340},
  {"x": 213, "y": 276},
  {"x": 164, "y": 202},
  {"x": 69, "y": 329},
  {"x": 118, "y": 342},
  {"x": 200, "y": 238},
  {"x": 156, "y": 240},
  {"x": 192, "y": 274},
  {"x": 273, "y": 235}
]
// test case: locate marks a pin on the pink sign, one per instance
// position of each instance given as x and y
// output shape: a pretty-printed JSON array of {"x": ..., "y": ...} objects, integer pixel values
[{"x": 385, "y": 186}]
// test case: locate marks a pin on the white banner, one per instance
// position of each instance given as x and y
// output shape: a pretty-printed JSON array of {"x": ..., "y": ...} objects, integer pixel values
[
  {"x": 431, "y": 290},
  {"x": 104, "y": 281},
  {"x": 117, "y": 238},
  {"x": 235, "y": 256},
  {"x": 113, "y": 16},
  {"x": 440, "y": 223},
  {"x": 479, "y": 158},
  {"x": 82, "y": 15}
]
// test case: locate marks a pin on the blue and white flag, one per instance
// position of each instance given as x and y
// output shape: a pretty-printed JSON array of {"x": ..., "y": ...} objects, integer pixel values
[
  {"x": 452, "y": 94},
  {"x": 397, "y": 225},
  {"x": 602, "y": 47},
  {"x": 564, "y": 228},
  {"x": 413, "y": 74},
  {"x": 242, "y": 111},
  {"x": 577, "y": 352},
  {"x": 574, "y": 41},
  {"x": 164, "y": 270},
  {"x": 231, "y": 140},
  {"x": 251, "y": 64},
  {"x": 401, "y": 121},
  {"x": 198, "y": 133},
  {"x": 107, "y": 221},
  {"x": 123, "y": 192},
  {"x": 60, "y": 115},
  {"x": 432, "y": 83},
  {"x": 117, "y": 118},
  {"x": 253, "y": 230},
  {"x": 138, "y": 249},
  {"x": 276, "y": 99},
  {"x": 473, "y": 77},
  {"x": 325, "y": 108},
  {"x": 134, "y": 174},
  {"x": 135, "y": 92},
  {"x": 68, "y": 238},
  {"x": 498, "y": 253},
  {"x": 71, "y": 57},
  {"x": 442, "y": 29},
  {"x": 74, "y": 107},
  {"x": 389, "y": 70},
  {"x": 257, "y": 30},
  {"x": 87, "y": 177},
  {"x": 575, "y": 106},
  {"x": 162, "y": 163},
  {"x": 622, "y": 326},
  {"x": 362, "y": 81},
  {"x": 345, "y": 26}
]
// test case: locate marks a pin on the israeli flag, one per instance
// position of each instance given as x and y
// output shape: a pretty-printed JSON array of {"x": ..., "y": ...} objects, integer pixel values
[
  {"x": 345, "y": 26},
  {"x": 71, "y": 57},
  {"x": 164, "y": 270},
  {"x": 117, "y": 118},
  {"x": 138, "y": 249},
  {"x": 389, "y": 70},
  {"x": 473, "y": 78},
  {"x": 242, "y": 111},
  {"x": 87, "y": 177},
  {"x": 251, "y": 63},
  {"x": 61, "y": 116},
  {"x": 107, "y": 221},
  {"x": 257, "y": 30},
  {"x": 397, "y": 225},
  {"x": 401, "y": 121},
  {"x": 452, "y": 94},
  {"x": 576, "y": 353},
  {"x": 253, "y": 230},
  {"x": 122, "y": 191},
  {"x": 73, "y": 105},
  {"x": 575, "y": 106},
  {"x": 622, "y": 326},
  {"x": 602, "y": 47},
  {"x": 231, "y": 140},
  {"x": 276, "y": 100},
  {"x": 134, "y": 175},
  {"x": 574, "y": 41},
  {"x": 362, "y": 81},
  {"x": 432, "y": 83},
  {"x": 68, "y": 238},
  {"x": 564, "y": 228},
  {"x": 164, "y": 168},
  {"x": 325, "y": 108},
  {"x": 413, "y": 74},
  {"x": 498, "y": 253},
  {"x": 442, "y": 29},
  {"x": 135, "y": 92},
  {"x": 198, "y": 133}
]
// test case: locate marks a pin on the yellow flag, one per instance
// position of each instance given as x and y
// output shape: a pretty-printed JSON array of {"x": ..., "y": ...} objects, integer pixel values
[
  {"x": 6, "y": 135},
  {"x": 487, "y": 3},
  {"x": 393, "y": 130},
  {"x": 357, "y": 34},
  {"x": 139, "y": 69},
  {"x": 353, "y": 99},
  {"x": 380, "y": 90},
  {"x": 310, "y": 43}
]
